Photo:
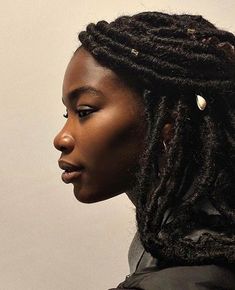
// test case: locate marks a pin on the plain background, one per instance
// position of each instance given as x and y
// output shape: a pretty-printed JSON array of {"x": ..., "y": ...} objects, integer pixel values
[{"x": 48, "y": 240}]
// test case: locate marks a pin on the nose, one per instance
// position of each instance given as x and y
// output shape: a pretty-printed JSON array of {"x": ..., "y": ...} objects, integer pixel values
[{"x": 64, "y": 142}]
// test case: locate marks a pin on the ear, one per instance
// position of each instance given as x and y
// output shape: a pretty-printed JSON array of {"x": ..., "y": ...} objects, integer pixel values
[
  {"x": 167, "y": 132},
  {"x": 166, "y": 135}
]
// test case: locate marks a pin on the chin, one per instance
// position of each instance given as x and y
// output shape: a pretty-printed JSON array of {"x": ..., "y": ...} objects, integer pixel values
[{"x": 91, "y": 196}]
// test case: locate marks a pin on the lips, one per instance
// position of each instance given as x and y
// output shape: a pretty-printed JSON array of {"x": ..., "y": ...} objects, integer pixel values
[
  {"x": 71, "y": 172},
  {"x": 69, "y": 177}
]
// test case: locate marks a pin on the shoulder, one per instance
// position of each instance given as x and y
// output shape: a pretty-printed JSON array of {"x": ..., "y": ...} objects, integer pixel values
[{"x": 205, "y": 277}]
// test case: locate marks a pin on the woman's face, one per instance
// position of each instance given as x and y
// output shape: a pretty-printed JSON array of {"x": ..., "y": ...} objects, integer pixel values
[{"x": 103, "y": 136}]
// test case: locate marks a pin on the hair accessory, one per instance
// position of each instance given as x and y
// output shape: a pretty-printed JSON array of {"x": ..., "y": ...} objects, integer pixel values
[
  {"x": 191, "y": 31},
  {"x": 201, "y": 102},
  {"x": 134, "y": 51}
]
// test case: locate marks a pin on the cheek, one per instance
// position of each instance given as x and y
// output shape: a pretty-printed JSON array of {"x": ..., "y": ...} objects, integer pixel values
[{"x": 112, "y": 144}]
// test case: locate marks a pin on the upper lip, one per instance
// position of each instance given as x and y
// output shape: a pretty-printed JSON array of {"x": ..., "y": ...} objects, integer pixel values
[{"x": 67, "y": 166}]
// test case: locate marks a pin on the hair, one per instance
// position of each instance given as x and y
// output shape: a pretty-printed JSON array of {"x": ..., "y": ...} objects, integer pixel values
[{"x": 171, "y": 59}]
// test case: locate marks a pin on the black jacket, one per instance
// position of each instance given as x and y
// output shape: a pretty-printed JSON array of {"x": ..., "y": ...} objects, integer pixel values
[
  {"x": 207, "y": 277},
  {"x": 145, "y": 275}
]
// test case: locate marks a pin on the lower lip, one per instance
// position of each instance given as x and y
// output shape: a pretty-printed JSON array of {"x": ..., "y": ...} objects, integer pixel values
[{"x": 68, "y": 177}]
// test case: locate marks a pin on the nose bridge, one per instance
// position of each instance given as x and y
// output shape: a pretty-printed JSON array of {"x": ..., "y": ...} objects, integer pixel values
[{"x": 64, "y": 140}]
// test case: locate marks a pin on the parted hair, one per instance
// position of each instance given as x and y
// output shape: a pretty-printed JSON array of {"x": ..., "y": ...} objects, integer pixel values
[{"x": 170, "y": 59}]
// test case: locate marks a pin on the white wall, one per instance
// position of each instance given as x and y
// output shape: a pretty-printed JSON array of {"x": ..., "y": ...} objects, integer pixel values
[{"x": 48, "y": 240}]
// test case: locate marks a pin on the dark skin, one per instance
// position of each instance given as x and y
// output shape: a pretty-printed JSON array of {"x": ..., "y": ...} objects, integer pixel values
[{"x": 104, "y": 131}]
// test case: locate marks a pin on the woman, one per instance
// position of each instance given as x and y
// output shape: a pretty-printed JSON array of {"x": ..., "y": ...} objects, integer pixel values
[{"x": 150, "y": 102}]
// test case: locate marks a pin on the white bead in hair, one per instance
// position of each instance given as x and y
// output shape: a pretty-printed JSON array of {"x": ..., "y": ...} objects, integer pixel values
[
  {"x": 134, "y": 51},
  {"x": 201, "y": 102}
]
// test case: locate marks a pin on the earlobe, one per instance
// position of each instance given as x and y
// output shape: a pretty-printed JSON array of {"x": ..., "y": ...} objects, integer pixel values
[{"x": 167, "y": 133}]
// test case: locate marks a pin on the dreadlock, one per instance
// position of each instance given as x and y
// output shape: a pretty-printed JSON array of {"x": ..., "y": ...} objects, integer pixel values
[{"x": 171, "y": 59}]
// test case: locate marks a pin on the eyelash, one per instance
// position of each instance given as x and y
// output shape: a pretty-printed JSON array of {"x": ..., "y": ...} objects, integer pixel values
[
  {"x": 78, "y": 112},
  {"x": 65, "y": 115}
]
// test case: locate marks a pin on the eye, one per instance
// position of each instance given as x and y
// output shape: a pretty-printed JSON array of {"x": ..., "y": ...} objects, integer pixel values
[
  {"x": 84, "y": 110},
  {"x": 84, "y": 113}
]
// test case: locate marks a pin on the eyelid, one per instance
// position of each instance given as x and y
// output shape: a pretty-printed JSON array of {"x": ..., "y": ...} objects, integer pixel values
[{"x": 86, "y": 106}]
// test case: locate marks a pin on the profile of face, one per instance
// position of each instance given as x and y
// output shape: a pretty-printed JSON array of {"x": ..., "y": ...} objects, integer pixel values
[{"x": 103, "y": 137}]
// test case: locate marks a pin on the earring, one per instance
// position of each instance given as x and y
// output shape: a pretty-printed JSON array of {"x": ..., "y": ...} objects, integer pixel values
[
  {"x": 164, "y": 144},
  {"x": 201, "y": 102}
]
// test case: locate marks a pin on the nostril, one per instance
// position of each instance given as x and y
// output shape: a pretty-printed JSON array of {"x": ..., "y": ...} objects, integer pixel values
[{"x": 62, "y": 148}]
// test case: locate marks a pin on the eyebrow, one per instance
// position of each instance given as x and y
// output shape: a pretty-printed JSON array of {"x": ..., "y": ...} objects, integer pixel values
[{"x": 76, "y": 93}]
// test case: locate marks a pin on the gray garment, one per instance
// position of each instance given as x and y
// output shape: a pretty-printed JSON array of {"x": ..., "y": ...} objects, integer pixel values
[
  {"x": 145, "y": 275},
  {"x": 138, "y": 258},
  {"x": 206, "y": 277}
]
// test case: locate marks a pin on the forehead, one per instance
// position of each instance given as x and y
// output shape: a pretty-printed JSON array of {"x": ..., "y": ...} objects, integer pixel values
[{"x": 84, "y": 70}]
